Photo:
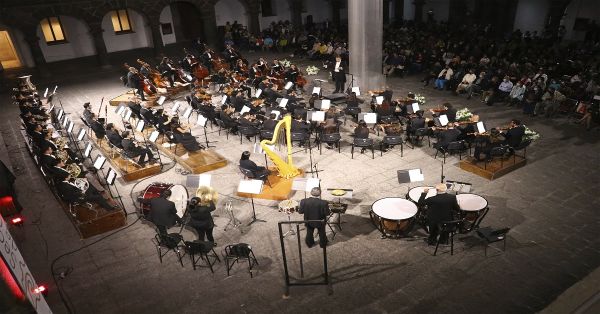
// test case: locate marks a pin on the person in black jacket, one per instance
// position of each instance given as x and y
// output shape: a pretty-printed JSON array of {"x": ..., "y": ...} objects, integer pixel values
[
  {"x": 248, "y": 164},
  {"x": 163, "y": 213},
  {"x": 315, "y": 208},
  {"x": 440, "y": 208},
  {"x": 418, "y": 122},
  {"x": 113, "y": 136},
  {"x": 446, "y": 137},
  {"x": 69, "y": 192},
  {"x": 514, "y": 135},
  {"x": 338, "y": 73},
  {"x": 199, "y": 210},
  {"x": 270, "y": 123},
  {"x": 132, "y": 150},
  {"x": 97, "y": 127}
]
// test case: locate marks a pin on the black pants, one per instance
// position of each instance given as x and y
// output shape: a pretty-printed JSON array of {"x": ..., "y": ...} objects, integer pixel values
[
  {"x": 202, "y": 232},
  {"x": 434, "y": 231},
  {"x": 92, "y": 195},
  {"x": 140, "y": 92},
  {"x": 169, "y": 76},
  {"x": 143, "y": 152},
  {"x": 339, "y": 86},
  {"x": 161, "y": 229},
  {"x": 310, "y": 236}
]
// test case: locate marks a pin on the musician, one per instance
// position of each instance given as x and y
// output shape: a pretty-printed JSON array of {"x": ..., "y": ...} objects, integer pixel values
[
  {"x": 448, "y": 110},
  {"x": 248, "y": 164},
  {"x": 361, "y": 130},
  {"x": 47, "y": 141},
  {"x": 47, "y": 159},
  {"x": 132, "y": 150},
  {"x": 189, "y": 61},
  {"x": 148, "y": 115},
  {"x": 207, "y": 58},
  {"x": 136, "y": 108},
  {"x": 69, "y": 192},
  {"x": 514, "y": 135},
  {"x": 87, "y": 112},
  {"x": 383, "y": 110},
  {"x": 446, "y": 137},
  {"x": 315, "y": 208},
  {"x": 113, "y": 136},
  {"x": 231, "y": 56},
  {"x": 276, "y": 68},
  {"x": 270, "y": 123},
  {"x": 239, "y": 102},
  {"x": 415, "y": 123},
  {"x": 291, "y": 75},
  {"x": 338, "y": 74},
  {"x": 37, "y": 134},
  {"x": 97, "y": 127},
  {"x": 228, "y": 121},
  {"x": 440, "y": 208},
  {"x": 163, "y": 213},
  {"x": 200, "y": 209},
  {"x": 298, "y": 125},
  {"x": 167, "y": 71},
  {"x": 135, "y": 81},
  {"x": 248, "y": 120},
  {"x": 486, "y": 144},
  {"x": 184, "y": 136}
]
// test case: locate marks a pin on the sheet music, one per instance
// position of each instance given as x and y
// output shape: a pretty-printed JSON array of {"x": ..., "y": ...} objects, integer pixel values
[
  {"x": 258, "y": 93},
  {"x": 250, "y": 186},
  {"x": 480, "y": 127},
  {"x": 140, "y": 126},
  {"x": 316, "y": 90},
  {"x": 153, "y": 136},
  {"x": 204, "y": 179},
  {"x": 416, "y": 175},
  {"x": 288, "y": 85},
  {"x": 257, "y": 149},
  {"x": 81, "y": 134},
  {"x": 175, "y": 108},
  {"x": 65, "y": 121},
  {"x": 70, "y": 127},
  {"x": 201, "y": 120},
  {"x": 316, "y": 116},
  {"x": 356, "y": 90},
  {"x": 119, "y": 110},
  {"x": 277, "y": 114},
  {"x": 325, "y": 104},
  {"x": 283, "y": 102},
  {"x": 54, "y": 91},
  {"x": 415, "y": 107},
  {"x": 161, "y": 100},
  {"x": 88, "y": 150},
  {"x": 379, "y": 100},
  {"x": 443, "y": 120},
  {"x": 46, "y": 92},
  {"x": 305, "y": 184},
  {"x": 128, "y": 113},
  {"x": 187, "y": 113},
  {"x": 370, "y": 118},
  {"x": 244, "y": 110},
  {"x": 99, "y": 162},
  {"x": 223, "y": 99},
  {"x": 110, "y": 177}
]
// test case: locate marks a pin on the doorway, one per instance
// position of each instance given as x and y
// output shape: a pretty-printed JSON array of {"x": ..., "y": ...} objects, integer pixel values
[
  {"x": 8, "y": 54},
  {"x": 187, "y": 21}
]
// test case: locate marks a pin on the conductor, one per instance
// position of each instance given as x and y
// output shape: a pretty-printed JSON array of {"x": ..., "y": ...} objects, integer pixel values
[
  {"x": 314, "y": 208},
  {"x": 439, "y": 209},
  {"x": 163, "y": 212}
]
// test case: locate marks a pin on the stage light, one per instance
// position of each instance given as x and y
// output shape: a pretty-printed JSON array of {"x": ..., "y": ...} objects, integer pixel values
[
  {"x": 41, "y": 289},
  {"x": 17, "y": 221}
]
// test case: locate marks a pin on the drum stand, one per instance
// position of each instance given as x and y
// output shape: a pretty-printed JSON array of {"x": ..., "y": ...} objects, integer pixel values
[
  {"x": 291, "y": 231},
  {"x": 234, "y": 222}
]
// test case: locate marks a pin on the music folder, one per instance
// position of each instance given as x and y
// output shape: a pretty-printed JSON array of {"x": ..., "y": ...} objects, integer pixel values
[
  {"x": 140, "y": 126},
  {"x": 161, "y": 100},
  {"x": 196, "y": 181},
  {"x": 154, "y": 136},
  {"x": 81, "y": 134},
  {"x": 379, "y": 100},
  {"x": 480, "y": 127},
  {"x": 201, "y": 120},
  {"x": 316, "y": 90},
  {"x": 356, "y": 90},
  {"x": 99, "y": 162},
  {"x": 409, "y": 176},
  {"x": 111, "y": 176},
  {"x": 88, "y": 150},
  {"x": 288, "y": 85},
  {"x": 244, "y": 110},
  {"x": 441, "y": 121},
  {"x": 283, "y": 102},
  {"x": 258, "y": 93},
  {"x": 316, "y": 116},
  {"x": 250, "y": 186},
  {"x": 368, "y": 117},
  {"x": 413, "y": 108}
]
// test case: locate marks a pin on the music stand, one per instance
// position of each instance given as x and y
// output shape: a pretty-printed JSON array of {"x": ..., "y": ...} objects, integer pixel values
[
  {"x": 251, "y": 187},
  {"x": 196, "y": 181},
  {"x": 257, "y": 149},
  {"x": 480, "y": 127},
  {"x": 323, "y": 104},
  {"x": 110, "y": 178},
  {"x": 409, "y": 176},
  {"x": 202, "y": 122},
  {"x": 305, "y": 184},
  {"x": 81, "y": 134},
  {"x": 356, "y": 90},
  {"x": 413, "y": 108}
]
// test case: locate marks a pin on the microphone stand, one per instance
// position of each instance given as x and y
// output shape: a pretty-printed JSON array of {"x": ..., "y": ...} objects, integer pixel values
[
  {"x": 349, "y": 89},
  {"x": 442, "y": 176}
]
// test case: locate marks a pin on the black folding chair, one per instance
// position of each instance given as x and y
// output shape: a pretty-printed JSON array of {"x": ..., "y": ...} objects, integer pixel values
[
  {"x": 363, "y": 143},
  {"x": 330, "y": 138},
  {"x": 171, "y": 243},
  {"x": 205, "y": 252},
  {"x": 248, "y": 131},
  {"x": 241, "y": 251},
  {"x": 451, "y": 228},
  {"x": 491, "y": 236},
  {"x": 391, "y": 141},
  {"x": 251, "y": 175}
]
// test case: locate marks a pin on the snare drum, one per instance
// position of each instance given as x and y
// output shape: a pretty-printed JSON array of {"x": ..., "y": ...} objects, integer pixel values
[
  {"x": 393, "y": 215},
  {"x": 179, "y": 196},
  {"x": 415, "y": 193},
  {"x": 472, "y": 206}
]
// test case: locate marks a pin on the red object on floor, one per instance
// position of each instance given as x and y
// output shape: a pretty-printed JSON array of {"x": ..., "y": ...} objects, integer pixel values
[{"x": 10, "y": 281}]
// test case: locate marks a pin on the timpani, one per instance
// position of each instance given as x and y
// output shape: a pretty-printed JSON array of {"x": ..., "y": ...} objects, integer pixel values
[
  {"x": 415, "y": 193},
  {"x": 473, "y": 208},
  {"x": 393, "y": 216}
]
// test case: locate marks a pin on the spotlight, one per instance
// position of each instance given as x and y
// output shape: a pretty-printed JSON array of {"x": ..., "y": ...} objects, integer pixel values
[{"x": 41, "y": 289}]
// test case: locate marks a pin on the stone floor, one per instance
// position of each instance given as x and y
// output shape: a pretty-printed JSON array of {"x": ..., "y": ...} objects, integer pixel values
[{"x": 551, "y": 205}]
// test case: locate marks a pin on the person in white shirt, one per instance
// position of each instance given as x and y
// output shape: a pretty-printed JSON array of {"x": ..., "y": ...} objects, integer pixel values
[
  {"x": 467, "y": 80},
  {"x": 443, "y": 77},
  {"x": 516, "y": 94}
]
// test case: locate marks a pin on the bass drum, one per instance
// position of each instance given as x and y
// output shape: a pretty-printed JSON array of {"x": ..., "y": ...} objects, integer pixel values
[{"x": 179, "y": 196}]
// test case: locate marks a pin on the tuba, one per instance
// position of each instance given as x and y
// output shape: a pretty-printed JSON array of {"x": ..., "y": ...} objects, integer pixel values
[
  {"x": 25, "y": 82},
  {"x": 207, "y": 194},
  {"x": 73, "y": 170}
]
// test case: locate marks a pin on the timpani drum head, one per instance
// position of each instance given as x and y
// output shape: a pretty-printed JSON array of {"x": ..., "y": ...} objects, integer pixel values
[
  {"x": 394, "y": 208},
  {"x": 415, "y": 193},
  {"x": 471, "y": 202}
]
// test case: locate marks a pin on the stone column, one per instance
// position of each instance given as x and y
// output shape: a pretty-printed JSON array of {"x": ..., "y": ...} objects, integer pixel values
[
  {"x": 101, "y": 52},
  {"x": 254, "y": 18},
  {"x": 296, "y": 12},
  {"x": 365, "y": 33},
  {"x": 209, "y": 21},
  {"x": 419, "y": 10},
  {"x": 36, "y": 52},
  {"x": 157, "y": 41}
]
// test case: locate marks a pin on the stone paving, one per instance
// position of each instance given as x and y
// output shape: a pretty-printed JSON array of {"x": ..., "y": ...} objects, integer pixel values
[{"x": 551, "y": 205}]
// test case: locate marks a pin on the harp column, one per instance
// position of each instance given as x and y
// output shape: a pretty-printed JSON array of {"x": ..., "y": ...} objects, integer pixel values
[{"x": 365, "y": 33}]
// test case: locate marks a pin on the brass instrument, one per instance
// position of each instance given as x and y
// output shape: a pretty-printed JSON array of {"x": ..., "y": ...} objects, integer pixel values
[
  {"x": 25, "y": 81},
  {"x": 286, "y": 169},
  {"x": 62, "y": 155},
  {"x": 60, "y": 143},
  {"x": 207, "y": 194},
  {"x": 82, "y": 184},
  {"x": 73, "y": 170}
]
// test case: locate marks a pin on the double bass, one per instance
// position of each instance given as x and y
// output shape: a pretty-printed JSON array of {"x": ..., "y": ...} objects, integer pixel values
[
  {"x": 154, "y": 74},
  {"x": 147, "y": 85},
  {"x": 218, "y": 63}
]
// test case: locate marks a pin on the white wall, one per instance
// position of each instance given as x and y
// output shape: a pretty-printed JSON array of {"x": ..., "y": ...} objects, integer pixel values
[
  {"x": 167, "y": 17},
  {"x": 589, "y": 9},
  {"x": 229, "y": 11},
  {"x": 21, "y": 46},
  {"x": 531, "y": 15},
  {"x": 79, "y": 41},
  {"x": 282, "y": 10},
  {"x": 141, "y": 36},
  {"x": 320, "y": 10}
]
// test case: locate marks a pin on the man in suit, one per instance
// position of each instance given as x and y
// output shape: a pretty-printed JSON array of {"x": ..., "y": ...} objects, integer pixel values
[
  {"x": 514, "y": 135},
  {"x": 132, "y": 150},
  {"x": 163, "y": 213},
  {"x": 446, "y": 137},
  {"x": 338, "y": 73},
  {"x": 439, "y": 209},
  {"x": 315, "y": 208},
  {"x": 87, "y": 112},
  {"x": 113, "y": 136},
  {"x": 270, "y": 123},
  {"x": 418, "y": 122},
  {"x": 97, "y": 127},
  {"x": 69, "y": 192},
  {"x": 134, "y": 81},
  {"x": 248, "y": 164}
]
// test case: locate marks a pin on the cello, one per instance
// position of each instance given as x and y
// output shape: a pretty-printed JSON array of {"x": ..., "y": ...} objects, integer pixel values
[{"x": 147, "y": 85}]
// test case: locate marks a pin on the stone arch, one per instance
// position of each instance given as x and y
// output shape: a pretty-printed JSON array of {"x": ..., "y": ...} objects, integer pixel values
[
  {"x": 79, "y": 41},
  {"x": 139, "y": 37}
]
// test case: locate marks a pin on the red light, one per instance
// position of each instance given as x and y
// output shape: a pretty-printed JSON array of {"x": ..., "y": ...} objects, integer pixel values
[{"x": 17, "y": 221}]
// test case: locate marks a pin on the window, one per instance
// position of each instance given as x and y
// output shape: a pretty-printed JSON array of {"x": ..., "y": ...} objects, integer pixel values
[
  {"x": 267, "y": 8},
  {"x": 53, "y": 30},
  {"x": 121, "y": 22}
]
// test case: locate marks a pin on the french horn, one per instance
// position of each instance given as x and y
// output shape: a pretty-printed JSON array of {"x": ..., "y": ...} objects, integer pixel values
[
  {"x": 25, "y": 81},
  {"x": 73, "y": 170}
]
